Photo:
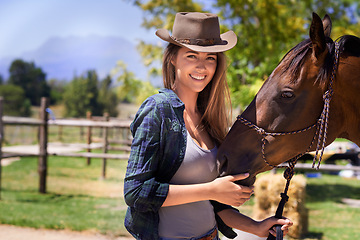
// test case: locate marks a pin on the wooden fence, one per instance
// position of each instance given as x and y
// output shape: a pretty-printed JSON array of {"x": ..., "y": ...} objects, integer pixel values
[{"x": 43, "y": 124}]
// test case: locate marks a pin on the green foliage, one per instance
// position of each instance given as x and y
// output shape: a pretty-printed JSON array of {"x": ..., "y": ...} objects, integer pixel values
[
  {"x": 147, "y": 90},
  {"x": 107, "y": 97},
  {"x": 31, "y": 79},
  {"x": 130, "y": 88},
  {"x": 162, "y": 12},
  {"x": 85, "y": 93},
  {"x": 57, "y": 90},
  {"x": 15, "y": 101},
  {"x": 81, "y": 95},
  {"x": 151, "y": 54},
  {"x": 266, "y": 30}
]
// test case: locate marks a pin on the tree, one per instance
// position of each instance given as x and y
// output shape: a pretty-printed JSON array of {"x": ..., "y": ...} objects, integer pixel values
[
  {"x": 15, "y": 101},
  {"x": 130, "y": 88},
  {"x": 266, "y": 29},
  {"x": 31, "y": 79},
  {"x": 107, "y": 98},
  {"x": 81, "y": 95},
  {"x": 57, "y": 90}
]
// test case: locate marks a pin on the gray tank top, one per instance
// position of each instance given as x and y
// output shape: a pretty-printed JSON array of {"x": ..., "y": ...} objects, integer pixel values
[{"x": 197, "y": 218}]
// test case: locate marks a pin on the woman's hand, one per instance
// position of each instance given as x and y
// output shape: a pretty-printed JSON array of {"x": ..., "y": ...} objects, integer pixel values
[
  {"x": 225, "y": 190},
  {"x": 266, "y": 226}
]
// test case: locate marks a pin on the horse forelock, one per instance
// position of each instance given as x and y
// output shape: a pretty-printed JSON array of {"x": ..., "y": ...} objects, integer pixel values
[{"x": 294, "y": 60}]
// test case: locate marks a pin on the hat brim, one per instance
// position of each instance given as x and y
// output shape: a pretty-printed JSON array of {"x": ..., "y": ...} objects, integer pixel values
[{"x": 229, "y": 41}]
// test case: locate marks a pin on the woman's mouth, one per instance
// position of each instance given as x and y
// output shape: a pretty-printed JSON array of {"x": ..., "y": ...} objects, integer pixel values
[{"x": 198, "y": 77}]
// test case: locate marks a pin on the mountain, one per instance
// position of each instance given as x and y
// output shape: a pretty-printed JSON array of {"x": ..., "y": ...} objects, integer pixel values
[{"x": 64, "y": 57}]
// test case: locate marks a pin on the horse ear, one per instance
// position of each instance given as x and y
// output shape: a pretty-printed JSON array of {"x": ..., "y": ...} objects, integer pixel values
[
  {"x": 327, "y": 25},
  {"x": 317, "y": 36}
]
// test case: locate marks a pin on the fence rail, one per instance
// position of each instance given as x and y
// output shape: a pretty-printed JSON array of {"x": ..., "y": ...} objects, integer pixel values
[
  {"x": 325, "y": 167},
  {"x": 98, "y": 122},
  {"x": 66, "y": 122},
  {"x": 43, "y": 124}
]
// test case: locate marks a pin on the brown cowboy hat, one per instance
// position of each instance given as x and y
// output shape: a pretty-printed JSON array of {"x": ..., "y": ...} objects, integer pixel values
[{"x": 199, "y": 32}]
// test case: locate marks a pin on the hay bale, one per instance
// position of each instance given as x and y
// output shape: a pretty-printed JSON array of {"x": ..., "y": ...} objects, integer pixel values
[{"x": 267, "y": 197}]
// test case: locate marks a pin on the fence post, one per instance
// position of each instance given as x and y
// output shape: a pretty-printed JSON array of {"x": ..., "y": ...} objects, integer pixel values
[
  {"x": 1, "y": 138},
  {"x": 43, "y": 138},
  {"x": 88, "y": 117},
  {"x": 105, "y": 145}
]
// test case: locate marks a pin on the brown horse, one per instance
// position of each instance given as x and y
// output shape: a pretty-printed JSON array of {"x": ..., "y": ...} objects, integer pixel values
[{"x": 292, "y": 111}]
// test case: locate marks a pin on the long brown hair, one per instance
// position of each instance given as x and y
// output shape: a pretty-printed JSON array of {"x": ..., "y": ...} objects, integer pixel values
[{"x": 212, "y": 101}]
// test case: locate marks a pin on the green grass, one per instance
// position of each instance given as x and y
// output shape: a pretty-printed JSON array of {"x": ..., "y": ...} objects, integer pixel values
[
  {"x": 76, "y": 199},
  {"x": 329, "y": 217}
]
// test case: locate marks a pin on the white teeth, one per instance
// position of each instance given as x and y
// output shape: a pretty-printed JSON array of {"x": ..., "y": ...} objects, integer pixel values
[{"x": 198, "y": 77}]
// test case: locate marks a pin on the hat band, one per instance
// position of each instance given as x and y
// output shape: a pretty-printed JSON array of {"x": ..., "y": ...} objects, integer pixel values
[{"x": 199, "y": 42}]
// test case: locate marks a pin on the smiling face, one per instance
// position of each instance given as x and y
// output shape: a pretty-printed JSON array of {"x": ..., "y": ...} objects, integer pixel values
[{"x": 193, "y": 70}]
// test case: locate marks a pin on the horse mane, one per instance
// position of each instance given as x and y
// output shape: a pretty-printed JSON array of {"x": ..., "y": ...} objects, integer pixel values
[
  {"x": 350, "y": 45},
  {"x": 296, "y": 57}
]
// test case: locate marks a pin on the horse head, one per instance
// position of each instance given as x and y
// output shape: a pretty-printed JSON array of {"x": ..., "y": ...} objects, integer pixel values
[{"x": 290, "y": 101}]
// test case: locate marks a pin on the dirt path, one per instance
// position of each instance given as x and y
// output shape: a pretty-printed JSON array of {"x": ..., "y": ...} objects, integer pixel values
[{"x": 9, "y": 232}]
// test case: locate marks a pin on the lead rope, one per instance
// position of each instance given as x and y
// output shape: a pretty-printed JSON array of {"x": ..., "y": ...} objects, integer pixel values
[
  {"x": 321, "y": 132},
  {"x": 288, "y": 174}
]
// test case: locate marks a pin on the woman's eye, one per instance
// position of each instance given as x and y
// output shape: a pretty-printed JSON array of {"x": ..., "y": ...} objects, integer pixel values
[
  {"x": 191, "y": 56},
  {"x": 287, "y": 94},
  {"x": 212, "y": 58}
]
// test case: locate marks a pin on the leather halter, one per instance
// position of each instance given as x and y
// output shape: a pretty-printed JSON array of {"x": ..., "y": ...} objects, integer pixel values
[
  {"x": 321, "y": 124},
  {"x": 321, "y": 134}
]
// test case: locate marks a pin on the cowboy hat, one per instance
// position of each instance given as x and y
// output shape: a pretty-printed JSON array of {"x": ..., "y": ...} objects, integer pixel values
[{"x": 199, "y": 32}]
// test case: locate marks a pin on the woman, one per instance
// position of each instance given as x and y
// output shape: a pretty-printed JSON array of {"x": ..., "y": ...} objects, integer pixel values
[{"x": 171, "y": 183}]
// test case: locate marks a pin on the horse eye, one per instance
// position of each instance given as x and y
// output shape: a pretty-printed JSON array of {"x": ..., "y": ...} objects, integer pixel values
[{"x": 287, "y": 94}]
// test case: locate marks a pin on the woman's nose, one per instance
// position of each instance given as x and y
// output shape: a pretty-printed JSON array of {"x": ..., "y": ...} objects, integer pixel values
[{"x": 200, "y": 65}]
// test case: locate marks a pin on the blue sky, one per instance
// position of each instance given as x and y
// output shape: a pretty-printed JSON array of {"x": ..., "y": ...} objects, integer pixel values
[{"x": 26, "y": 24}]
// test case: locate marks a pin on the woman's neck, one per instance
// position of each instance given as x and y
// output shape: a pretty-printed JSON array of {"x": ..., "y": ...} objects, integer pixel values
[{"x": 189, "y": 99}]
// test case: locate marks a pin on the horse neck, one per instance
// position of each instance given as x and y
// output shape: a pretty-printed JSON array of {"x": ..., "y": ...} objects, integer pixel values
[{"x": 345, "y": 107}]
